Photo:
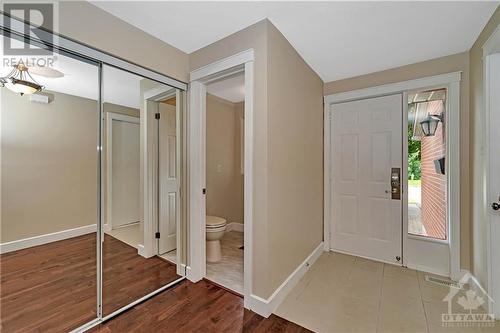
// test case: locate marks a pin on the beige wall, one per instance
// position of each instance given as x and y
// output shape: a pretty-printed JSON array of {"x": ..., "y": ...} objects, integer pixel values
[
  {"x": 288, "y": 163},
  {"x": 224, "y": 185},
  {"x": 452, "y": 63},
  {"x": 49, "y": 165},
  {"x": 295, "y": 165},
  {"x": 478, "y": 138},
  {"x": 89, "y": 24}
]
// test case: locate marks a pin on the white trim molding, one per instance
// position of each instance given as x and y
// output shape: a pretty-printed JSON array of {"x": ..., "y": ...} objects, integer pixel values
[
  {"x": 265, "y": 307},
  {"x": 221, "y": 66},
  {"x": 491, "y": 51},
  {"x": 240, "y": 62},
  {"x": 46, "y": 238},
  {"x": 140, "y": 250},
  {"x": 451, "y": 81},
  {"x": 393, "y": 88},
  {"x": 492, "y": 44}
]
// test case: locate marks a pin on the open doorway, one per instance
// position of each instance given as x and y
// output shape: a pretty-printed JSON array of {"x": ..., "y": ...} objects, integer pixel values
[
  {"x": 239, "y": 64},
  {"x": 122, "y": 174},
  {"x": 224, "y": 179},
  {"x": 162, "y": 108}
]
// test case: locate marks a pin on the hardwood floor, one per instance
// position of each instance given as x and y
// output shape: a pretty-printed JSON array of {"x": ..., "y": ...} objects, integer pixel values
[
  {"x": 52, "y": 287},
  {"x": 200, "y": 307},
  {"x": 128, "y": 276}
]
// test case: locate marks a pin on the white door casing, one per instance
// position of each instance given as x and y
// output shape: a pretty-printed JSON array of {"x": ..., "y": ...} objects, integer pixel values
[
  {"x": 123, "y": 170},
  {"x": 492, "y": 77},
  {"x": 196, "y": 145},
  {"x": 366, "y": 143},
  {"x": 169, "y": 179}
]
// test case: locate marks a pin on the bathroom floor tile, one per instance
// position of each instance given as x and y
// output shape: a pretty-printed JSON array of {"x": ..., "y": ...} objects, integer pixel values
[{"x": 229, "y": 271}]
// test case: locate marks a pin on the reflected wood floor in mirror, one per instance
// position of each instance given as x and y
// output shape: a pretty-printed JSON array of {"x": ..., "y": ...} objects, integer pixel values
[
  {"x": 128, "y": 276},
  {"x": 52, "y": 287},
  {"x": 189, "y": 307}
]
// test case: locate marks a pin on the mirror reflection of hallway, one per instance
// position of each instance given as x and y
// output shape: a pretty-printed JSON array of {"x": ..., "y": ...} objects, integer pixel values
[
  {"x": 129, "y": 273},
  {"x": 49, "y": 201}
]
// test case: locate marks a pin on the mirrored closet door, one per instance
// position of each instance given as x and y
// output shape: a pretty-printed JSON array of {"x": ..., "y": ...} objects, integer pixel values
[
  {"x": 92, "y": 217},
  {"x": 49, "y": 190}
]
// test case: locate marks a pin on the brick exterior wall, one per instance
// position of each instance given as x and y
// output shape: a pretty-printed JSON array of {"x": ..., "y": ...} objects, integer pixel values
[{"x": 433, "y": 184}]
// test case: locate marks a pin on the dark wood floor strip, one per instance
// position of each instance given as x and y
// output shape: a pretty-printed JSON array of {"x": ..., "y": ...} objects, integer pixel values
[
  {"x": 200, "y": 307},
  {"x": 52, "y": 287}
]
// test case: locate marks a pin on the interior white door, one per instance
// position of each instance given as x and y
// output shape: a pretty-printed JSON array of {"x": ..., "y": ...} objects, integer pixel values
[
  {"x": 125, "y": 173},
  {"x": 493, "y": 181},
  {"x": 366, "y": 143},
  {"x": 169, "y": 178}
]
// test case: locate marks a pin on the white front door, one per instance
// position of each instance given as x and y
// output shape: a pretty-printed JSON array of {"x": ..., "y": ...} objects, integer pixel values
[
  {"x": 366, "y": 144},
  {"x": 493, "y": 181},
  {"x": 168, "y": 177}
]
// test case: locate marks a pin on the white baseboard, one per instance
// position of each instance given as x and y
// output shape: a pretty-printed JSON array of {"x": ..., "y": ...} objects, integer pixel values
[
  {"x": 426, "y": 269},
  {"x": 265, "y": 307},
  {"x": 235, "y": 226},
  {"x": 141, "y": 251},
  {"x": 47, "y": 238},
  {"x": 107, "y": 227},
  {"x": 180, "y": 271}
]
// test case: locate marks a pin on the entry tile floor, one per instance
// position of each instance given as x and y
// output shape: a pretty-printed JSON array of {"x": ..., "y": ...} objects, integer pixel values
[
  {"x": 343, "y": 293},
  {"x": 229, "y": 271}
]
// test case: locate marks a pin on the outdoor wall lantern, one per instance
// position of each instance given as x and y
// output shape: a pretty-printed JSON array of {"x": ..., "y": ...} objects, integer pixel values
[{"x": 430, "y": 123}]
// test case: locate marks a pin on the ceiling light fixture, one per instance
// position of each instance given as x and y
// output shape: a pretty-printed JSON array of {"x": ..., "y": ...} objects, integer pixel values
[{"x": 20, "y": 81}]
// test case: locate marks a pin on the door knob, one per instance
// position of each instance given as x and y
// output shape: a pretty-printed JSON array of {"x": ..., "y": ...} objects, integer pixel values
[{"x": 495, "y": 206}]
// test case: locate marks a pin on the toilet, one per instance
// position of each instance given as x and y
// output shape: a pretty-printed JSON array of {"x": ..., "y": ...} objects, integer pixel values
[{"x": 216, "y": 226}]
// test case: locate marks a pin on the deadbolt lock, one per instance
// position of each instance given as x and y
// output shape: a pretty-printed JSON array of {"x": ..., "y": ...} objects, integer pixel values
[{"x": 396, "y": 183}]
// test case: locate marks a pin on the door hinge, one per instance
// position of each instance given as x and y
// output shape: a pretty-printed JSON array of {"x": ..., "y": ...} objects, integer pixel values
[
  {"x": 204, "y": 191},
  {"x": 157, "y": 115},
  {"x": 157, "y": 235},
  {"x": 398, "y": 258}
]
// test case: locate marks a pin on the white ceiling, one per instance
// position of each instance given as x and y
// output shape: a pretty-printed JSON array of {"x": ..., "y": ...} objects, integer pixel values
[
  {"x": 231, "y": 89},
  {"x": 337, "y": 39}
]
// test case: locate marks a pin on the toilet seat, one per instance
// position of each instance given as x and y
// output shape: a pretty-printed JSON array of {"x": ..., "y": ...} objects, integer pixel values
[{"x": 215, "y": 222}]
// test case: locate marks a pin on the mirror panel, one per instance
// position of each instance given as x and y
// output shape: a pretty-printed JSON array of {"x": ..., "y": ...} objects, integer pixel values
[
  {"x": 49, "y": 194},
  {"x": 141, "y": 186}
]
